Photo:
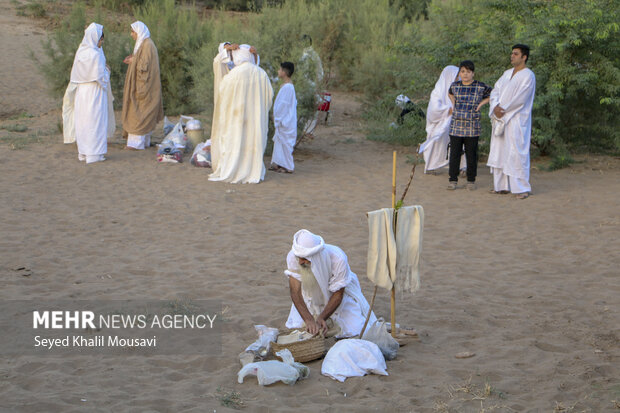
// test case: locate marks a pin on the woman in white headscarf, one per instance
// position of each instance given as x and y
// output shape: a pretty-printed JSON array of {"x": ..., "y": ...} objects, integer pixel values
[
  {"x": 142, "y": 102},
  {"x": 88, "y": 118},
  {"x": 438, "y": 116}
]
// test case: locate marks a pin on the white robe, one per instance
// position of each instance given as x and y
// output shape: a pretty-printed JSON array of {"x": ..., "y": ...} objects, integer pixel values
[
  {"x": 351, "y": 313},
  {"x": 509, "y": 153},
  {"x": 87, "y": 101},
  {"x": 285, "y": 121},
  {"x": 245, "y": 97},
  {"x": 222, "y": 65},
  {"x": 435, "y": 148}
]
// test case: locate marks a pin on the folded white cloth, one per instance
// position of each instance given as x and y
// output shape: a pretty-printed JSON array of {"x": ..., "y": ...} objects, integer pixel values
[{"x": 353, "y": 358}]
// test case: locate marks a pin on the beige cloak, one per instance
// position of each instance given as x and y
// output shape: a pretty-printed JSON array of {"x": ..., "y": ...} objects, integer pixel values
[{"x": 142, "y": 103}]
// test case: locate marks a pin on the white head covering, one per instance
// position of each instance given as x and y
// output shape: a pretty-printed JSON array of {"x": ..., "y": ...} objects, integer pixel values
[
  {"x": 242, "y": 54},
  {"x": 440, "y": 103},
  {"x": 89, "y": 61},
  {"x": 143, "y": 33},
  {"x": 312, "y": 247}
]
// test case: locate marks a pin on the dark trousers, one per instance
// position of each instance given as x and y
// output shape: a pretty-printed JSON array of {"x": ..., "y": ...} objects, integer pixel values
[{"x": 471, "y": 155}]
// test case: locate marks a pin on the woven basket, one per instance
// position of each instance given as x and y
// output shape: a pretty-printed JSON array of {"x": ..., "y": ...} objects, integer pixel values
[{"x": 303, "y": 351}]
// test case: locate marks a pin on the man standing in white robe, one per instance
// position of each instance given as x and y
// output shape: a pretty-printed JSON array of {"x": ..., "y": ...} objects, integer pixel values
[
  {"x": 245, "y": 97},
  {"x": 438, "y": 116},
  {"x": 88, "y": 117},
  {"x": 323, "y": 286},
  {"x": 222, "y": 64},
  {"x": 510, "y": 110},
  {"x": 285, "y": 122}
]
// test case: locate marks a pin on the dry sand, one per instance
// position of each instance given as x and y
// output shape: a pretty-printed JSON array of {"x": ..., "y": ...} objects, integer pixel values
[{"x": 528, "y": 286}]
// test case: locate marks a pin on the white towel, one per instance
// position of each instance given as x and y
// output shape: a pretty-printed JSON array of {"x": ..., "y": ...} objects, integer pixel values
[
  {"x": 381, "y": 262},
  {"x": 409, "y": 227}
]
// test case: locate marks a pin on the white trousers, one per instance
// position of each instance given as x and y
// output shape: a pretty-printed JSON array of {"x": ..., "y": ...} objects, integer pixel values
[
  {"x": 503, "y": 182},
  {"x": 139, "y": 141}
]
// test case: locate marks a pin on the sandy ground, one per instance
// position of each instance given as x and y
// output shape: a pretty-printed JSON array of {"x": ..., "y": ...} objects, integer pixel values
[{"x": 528, "y": 286}]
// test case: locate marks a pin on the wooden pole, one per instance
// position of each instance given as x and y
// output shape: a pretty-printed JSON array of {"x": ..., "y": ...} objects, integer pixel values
[{"x": 393, "y": 295}]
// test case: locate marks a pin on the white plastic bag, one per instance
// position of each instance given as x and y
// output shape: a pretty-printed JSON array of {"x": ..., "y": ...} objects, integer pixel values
[
  {"x": 202, "y": 155},
  {"x": 378, "y": 334},
  {"x": 167, "y": 125},
  {"x": 269, "y": 372},
  {"x": 176, "y": 137},
  {"x": 287, "y": 358},
  {"x": 353, "y": 358},
  {"x": 266, "y": 335}
]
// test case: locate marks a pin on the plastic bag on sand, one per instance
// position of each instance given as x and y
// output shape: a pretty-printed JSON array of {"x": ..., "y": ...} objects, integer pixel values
[
  {"x": 269, "y": 372},
  {"x": 378, "y": 334},
  {"x": 287, "y": 358},
  {"x": 167, "y": 125},
  {"x": 202, "y": 155},
  {"x": 353, "y": 358},
  {"x": 168, "y": 153},
  {"x": 265, "y": 336},
  {"x": 177, "y": 137}
]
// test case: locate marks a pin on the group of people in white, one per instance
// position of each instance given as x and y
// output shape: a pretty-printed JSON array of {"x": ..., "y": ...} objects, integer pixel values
[
  {"x": 452, "y": 114},
  {"x": 243, "y": 97}
]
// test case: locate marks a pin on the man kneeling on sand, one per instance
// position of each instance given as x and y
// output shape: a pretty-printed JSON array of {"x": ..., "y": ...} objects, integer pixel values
[{"x": 323, "y": 286}]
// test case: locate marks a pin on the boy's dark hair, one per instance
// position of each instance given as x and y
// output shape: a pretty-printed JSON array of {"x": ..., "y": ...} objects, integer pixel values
[
  {"x": 467, "y": 64},
  {"x": 525, "y": 50},
  {"x": 288, "y": 68}
]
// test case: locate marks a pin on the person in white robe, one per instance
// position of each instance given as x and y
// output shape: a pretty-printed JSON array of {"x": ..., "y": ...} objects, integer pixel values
[
  {"x": 322, "y": 286},
  {"x": 510, "y": 110},
  {"x": 222, "y": 64},
  {"x": 245, "y": 97},
  {"x": 285, "y": 122},
  {"x": 88, "y": 116},
  {"x": 438, "y": 117}
]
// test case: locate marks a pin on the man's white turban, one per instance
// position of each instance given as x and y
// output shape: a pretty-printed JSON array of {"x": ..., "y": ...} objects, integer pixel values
[{"x": 306, "y": 244}]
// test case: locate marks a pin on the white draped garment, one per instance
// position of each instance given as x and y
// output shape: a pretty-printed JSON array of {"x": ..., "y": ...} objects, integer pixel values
[
  {"x": 435, "y": 148},
  {"x": 245, "y": 97},
  {"x": 509, "y": 153},
  {"x": 330, "y": 267},
  {"x": 222, "y": 64},
  {"x": 88, "y": 116},
  {"x": 285, "y": 122}
]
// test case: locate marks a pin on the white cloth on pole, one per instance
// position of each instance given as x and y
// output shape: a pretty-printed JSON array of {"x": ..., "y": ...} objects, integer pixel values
[
  {"x": 353, "y": 358},
  {"x": 285, "y": 122},
  {"x": 435, "y": 148},
  {"x": 331, "y": 269},
  {"x": 409, "y": 229},
  {"x": 381, "y": 260},
  {"x": 243, "y": 113},
  {"x": 509, "y": 153}
]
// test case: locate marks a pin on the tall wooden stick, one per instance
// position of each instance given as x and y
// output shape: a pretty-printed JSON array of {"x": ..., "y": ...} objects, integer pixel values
[{"x": 393, "y": 295}]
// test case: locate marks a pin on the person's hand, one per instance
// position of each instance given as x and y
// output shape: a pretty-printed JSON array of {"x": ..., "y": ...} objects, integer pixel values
[
  {"x": 312, "y": 327},
  {"x": 128, "y": 59},
  {"x": 478, "y": 107},
  {"x": 322, "y": 325},
  {"x": 498, "y": 112},
  {"x": 252, "y": 49},
  {"x": 450, "y": 111}
]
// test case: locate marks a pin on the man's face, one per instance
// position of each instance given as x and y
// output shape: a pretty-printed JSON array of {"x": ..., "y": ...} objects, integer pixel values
[
  {"x": 304, "y": 262},
  {"x": 134, "y": 35},
  {"x": 281, "y": 73},
  {"x": 466, "y": 75},
  {"x": 516, "y": 57},
  {"x": 100, "y": 43}
]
